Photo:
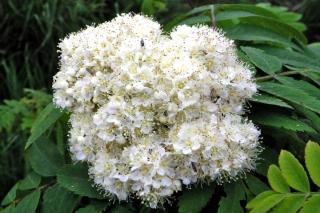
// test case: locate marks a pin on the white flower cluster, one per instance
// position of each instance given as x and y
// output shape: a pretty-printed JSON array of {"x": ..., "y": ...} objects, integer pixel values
[{"x": 152, "y": 112}]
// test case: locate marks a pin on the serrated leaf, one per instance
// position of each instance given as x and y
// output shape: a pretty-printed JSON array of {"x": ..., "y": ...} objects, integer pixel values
[
  {"x": 186, "y": 200},
  {"x": 43, "y": 122},
  {"x": 276, "y": 180},
  {"x": 276, "y": 26},
  {"x": 247, "y": 32},
  {"x": 301, "y": 84},
  {"x": 255, "y": 185},
  {"x": 44, "y": 157},
  {"x": 312, "y": 205},
  {"x": 11, "y": 195},
  {"x": 58, "y": 199},
  {"x": 293, "y": 172},
  {"x": 232, "y": 7},
  {"x": 312, "y": 158},
  {"x": 196, "y": 20},
  {"x": 231, "y": 203},
  {"x": 313, "y": 118},
  {"x": 278, "y": 120},
  {"x": 259, "y": 198},
  {"x": 232, "y": 14},
  {"x": 290, "y": 204},
  {"x": 312, "y": 75},
  {"x": 291, "y": 94},
  {"x": 29, "y": 203},
  {"x": 31, "y": 181},
  {"x": 270, "y": 100},
  {"x": 267, "y": 63},
  {"x": 9, "y": 209},
  {"x": 122, "y": 209},
  {"x": 93, "y": 208},
  {"x": 269, "y": 202},
  {"x": 315, "y": 48},
  {"x": 290, "y": 18},
  {"x": 75, "y": 178},
  {"x": 293, "y": 58},
  {"x": 268, "y": 156},
  {"x": 218, "y": 9}
]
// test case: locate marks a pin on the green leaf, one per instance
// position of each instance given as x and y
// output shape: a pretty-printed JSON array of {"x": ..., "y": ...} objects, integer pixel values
[
  {"x": 276, "y": 180},
  {"x": 196, "y": 20},
  {"x": 315, "y": 48},
  {"x": 244, "y": 58},
  {"x": 57, "y": 199},
  {"x": 269, "y": 202},
  {"x": 312, "y": 205},
  {"x": 290, "y": 204},
  {"x": 312, "y": 158},
  {"x": 293, "y": 58},
  {"x": 285, "y": 16},
  {"x": 268, "y": 156},
  {"x": 232, "y": 14},
  {"x": 313, "y": 75},
  {"x": 93, "y": 208},
  {"x": 43, "y": 122},
  {"x": 186, "y": 200},
  {"x": 313, "y": 118},
  {"x": 245, "y": 7},
  {"x": 29, "y": 203},
  {"x": 276, "y": 26},
  {"x": 219, "y": 8},
  {"x": 259, "y": 198},
  {"x": 270, "y": 100},
  {"x": 31, "y": 181},
  {"x": 300, "y": 84},
  {"x": 11, "y": 195},
  {"x": 122, "y": 209},
  {"x": 293, "y": 172},
  {"x": 252, "y": 33},
  {"x": 9, "y": 209},
  {"x": 278, "y": 120},
  {"x": 75, "y": 178},
  {"x": 231, "y": 203},
  {"x": 255, "y": 185},
  {"x": 44, "y": 157},
  {"x": 267, "y": 63},
  {"x": 291, "y": 94}
]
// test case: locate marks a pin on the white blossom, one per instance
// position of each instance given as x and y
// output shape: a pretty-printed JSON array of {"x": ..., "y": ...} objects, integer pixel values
[{"x": 151, "y": 112}]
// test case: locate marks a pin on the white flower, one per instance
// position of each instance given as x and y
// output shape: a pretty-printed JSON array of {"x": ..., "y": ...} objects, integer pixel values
[{"x": 151, "y": 112}]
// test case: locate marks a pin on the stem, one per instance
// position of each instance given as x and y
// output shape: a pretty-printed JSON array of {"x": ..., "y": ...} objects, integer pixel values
[
  {"x": 39, "y": 188},
  {"x": 213, "y": 18},
  {"x": 287, "y": 73}
]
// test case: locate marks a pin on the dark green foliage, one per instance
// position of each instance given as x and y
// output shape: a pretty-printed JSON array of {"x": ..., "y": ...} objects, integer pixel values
[
  {"x": 187, "y": 203},
  {"x": 75, "y": 178},
  {"x": 57, "y": 199},
  {"x": 270, "y": 41},
  {"x": 44, "y": 157}
]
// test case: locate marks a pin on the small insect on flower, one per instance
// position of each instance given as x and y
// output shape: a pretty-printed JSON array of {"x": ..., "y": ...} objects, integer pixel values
[{"x": 150, "y": 120}]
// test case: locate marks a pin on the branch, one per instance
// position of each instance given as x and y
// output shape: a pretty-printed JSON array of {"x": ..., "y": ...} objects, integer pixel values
[
  {"x": 288, "y": 73},
  {"x": 213, "y": 18}
]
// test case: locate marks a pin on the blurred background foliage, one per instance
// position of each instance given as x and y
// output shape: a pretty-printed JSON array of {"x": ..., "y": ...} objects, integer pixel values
[{"x": 30, "y": 31}]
